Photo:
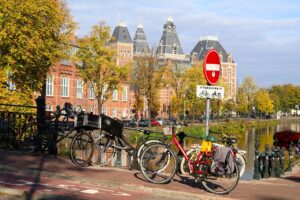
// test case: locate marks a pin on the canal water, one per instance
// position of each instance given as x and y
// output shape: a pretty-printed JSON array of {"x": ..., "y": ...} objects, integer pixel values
[{"x": 246, "y": 141}]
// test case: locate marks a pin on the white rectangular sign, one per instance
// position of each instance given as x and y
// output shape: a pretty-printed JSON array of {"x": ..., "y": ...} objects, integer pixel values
[{"x": 210, "y": 92}]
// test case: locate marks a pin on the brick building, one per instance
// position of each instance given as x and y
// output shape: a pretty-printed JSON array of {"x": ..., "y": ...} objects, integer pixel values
[{"x": 64, "y": 83}]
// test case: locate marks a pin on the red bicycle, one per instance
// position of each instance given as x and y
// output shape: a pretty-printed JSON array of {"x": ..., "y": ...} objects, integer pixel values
[{"x": 159, "y": 164}]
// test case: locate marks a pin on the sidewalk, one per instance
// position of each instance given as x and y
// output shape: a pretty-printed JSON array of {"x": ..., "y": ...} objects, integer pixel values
[{"x": 63, "y": 169}]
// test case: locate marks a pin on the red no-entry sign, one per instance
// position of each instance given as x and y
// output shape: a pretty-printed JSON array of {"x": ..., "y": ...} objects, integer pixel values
[{"x": 212, "y": 66}]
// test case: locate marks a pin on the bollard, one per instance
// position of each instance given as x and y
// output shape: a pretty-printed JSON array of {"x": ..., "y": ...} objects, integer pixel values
[
  {"x": 282, "y": 160},
  {"x": 40, "y": 113},
  {"x": 272, "y": 162},
  {"x": 266, "y": 167},
  {"x": 289, "y": 169},
  {"x": 256, "y": 174},
  {"x": 52, "y": 148},
  {"x": 277, "y": 161}
]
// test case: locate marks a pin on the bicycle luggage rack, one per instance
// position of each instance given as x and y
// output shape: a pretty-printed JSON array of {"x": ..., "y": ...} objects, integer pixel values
[{"x": 103, "y": 122}]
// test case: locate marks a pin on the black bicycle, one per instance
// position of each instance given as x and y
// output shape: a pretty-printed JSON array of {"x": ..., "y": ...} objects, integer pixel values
[
  {"x": 99, "y": 147},
  {"x": 37, "y": 137}
]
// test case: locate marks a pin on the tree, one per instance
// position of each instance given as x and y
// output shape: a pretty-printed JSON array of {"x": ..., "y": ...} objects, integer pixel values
[
  {"x": 99, "y": 68},
  {"x": 33, "y": 37},
  {"x": 191, "y": 78},
  {"x": 171, "y": 76},
  {"x": 146, "y": 82},
  {"x": 249, "y": 89},
  {"x": 10, "y": 94},
  {"x": 241, "y": 100},
  {"x": 263, "y": 102}
]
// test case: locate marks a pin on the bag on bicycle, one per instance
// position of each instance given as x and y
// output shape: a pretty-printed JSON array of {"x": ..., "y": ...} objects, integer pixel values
[{"x": 222, "y": 161}]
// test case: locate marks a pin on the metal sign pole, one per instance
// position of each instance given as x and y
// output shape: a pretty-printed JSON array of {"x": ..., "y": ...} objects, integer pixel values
[{"x": 207, "y": 116}]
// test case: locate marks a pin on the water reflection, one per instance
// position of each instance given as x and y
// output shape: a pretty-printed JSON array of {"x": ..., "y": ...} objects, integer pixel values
[{"x": 247, "y": 141}]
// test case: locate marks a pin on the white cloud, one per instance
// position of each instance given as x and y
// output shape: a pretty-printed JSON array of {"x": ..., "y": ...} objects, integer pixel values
[{"x": 259, "y": 34}]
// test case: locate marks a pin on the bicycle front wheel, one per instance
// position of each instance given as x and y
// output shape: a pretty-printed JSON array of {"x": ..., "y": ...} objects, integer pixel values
[
  {"x": 81, "y": 149},
  {"x": 221, "y": 184},
  {"x": 33, "y": 139},
  {"x": 158, "y": 163}
]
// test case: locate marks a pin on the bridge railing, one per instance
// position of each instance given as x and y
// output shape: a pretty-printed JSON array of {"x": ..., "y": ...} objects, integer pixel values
[{"x": 12, "y": 119}]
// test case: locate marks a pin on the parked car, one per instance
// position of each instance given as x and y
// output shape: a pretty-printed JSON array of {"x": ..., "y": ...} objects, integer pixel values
[
  {"x": 155, "y": 123},
  {"x": 129, "y": 123},
  {"x": 143, "y": 123},
  {"x": 160, "y": 121}
]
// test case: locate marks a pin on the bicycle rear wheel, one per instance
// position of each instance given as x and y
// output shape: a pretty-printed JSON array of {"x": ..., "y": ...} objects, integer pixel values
[
  {"x": 34, "y": 139},
  {"x": 158, "y": 163},
  {"x": 222, "y": 184},
  {"x": 82, "y": 149}
]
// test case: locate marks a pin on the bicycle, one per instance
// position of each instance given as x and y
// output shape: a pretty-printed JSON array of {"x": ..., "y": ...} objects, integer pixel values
[
  {"x": 100, "y": 147},
  {"x": 225, "y": 140},
  {"x": 159, "y": 165},
  {"x": 37, "y": 137}
]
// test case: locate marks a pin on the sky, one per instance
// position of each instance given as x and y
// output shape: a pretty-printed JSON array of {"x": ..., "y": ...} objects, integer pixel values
[{"x": 263, "y": 36}]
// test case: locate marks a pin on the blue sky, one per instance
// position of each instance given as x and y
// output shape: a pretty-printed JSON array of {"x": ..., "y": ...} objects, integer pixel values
[{"x": 262, "y": 35}]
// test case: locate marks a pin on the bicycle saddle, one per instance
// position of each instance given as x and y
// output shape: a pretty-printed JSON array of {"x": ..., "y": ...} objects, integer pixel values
[{"x": 231, "y": 140}]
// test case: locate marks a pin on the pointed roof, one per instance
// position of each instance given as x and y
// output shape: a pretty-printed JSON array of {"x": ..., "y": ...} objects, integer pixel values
[
  {"x": 169, "y": 40},
  {"x": 207, "y": 43},
  {"x": 121, "y": 33},
  {"x": 140, "y": 44}
]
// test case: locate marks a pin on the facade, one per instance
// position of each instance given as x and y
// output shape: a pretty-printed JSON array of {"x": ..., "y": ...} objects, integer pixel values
[{"x": 64, "y": 83}]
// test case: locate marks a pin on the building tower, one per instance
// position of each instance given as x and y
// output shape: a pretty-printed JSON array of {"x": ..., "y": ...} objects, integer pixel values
[
  {"x": 228, "y": 66},
  {"x": 169, "y": 45},
  {"x": 140, "y": 44},
  {"x": 122, "y": 43}
]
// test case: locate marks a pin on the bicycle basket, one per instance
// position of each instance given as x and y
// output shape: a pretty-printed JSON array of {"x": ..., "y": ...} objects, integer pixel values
[
  {"x": 87, "y": 121},
  {"x": 167, "y": 130},
  {"x": 110, "y": 125},
  {"x": 206, "y": 146}
]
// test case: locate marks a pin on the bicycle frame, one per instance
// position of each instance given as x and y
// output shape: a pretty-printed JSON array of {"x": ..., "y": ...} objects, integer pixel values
[{"x": 194, "y": 163}]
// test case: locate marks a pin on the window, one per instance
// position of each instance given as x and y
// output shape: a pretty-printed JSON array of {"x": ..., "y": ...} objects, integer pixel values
[
  {"x": 124, "y": 112},
  {"x": 174, "y": 49},
  {"x": 91, "y": 108},
  {"x": 115, "y": 95},
  {"x": 48, "y": 107},
  {"x": 124, "y": 93},
  {"x": 65, "y": 86},
  {"x": 160, "y": 49},
  {"x": 229, "y": 87},
  {"x": 11, "y": 85},
  {"x": 229, "y": 73},
  {"x": 104, "y": 92},
  {"x": 104, "y": 110},
  {"x": 91, "y": 92},
  {"x": 49, "y": 86},
  {"x": 79, "y": 88},
  {"x": 114, "y": 112}
]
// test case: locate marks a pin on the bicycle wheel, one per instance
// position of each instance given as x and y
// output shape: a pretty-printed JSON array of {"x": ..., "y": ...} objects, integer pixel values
[
  {"x": 81, "y": 149},
  {"x": 104, "y": 149},
  {"x": 222, "y": 184},
  {"x": 158, "y": 163},
  {"x": 33, "y": 139},
  {"x": 144, "y": 146},
  {"x": 184, "y": 166}
]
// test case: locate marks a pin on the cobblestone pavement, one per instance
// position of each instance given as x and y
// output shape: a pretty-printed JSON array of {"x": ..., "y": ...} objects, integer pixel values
[{"x": 48, "y": 177}]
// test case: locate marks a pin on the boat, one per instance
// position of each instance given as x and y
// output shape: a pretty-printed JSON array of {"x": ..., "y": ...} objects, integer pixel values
[{"x": 286, "y": 137}]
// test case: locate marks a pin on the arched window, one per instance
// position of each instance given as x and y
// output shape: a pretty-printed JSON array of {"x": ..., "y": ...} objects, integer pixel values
[{"x": 174, "y": 49}]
